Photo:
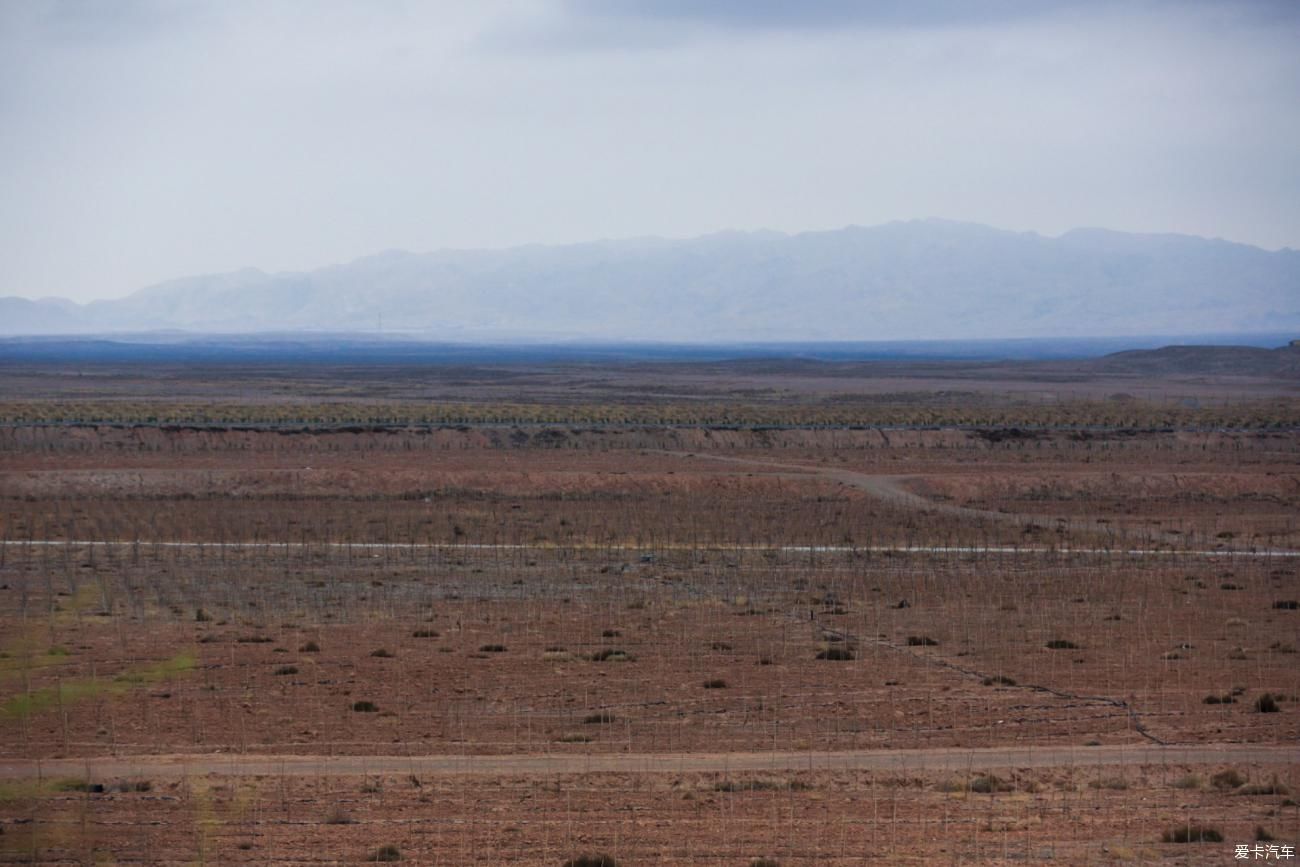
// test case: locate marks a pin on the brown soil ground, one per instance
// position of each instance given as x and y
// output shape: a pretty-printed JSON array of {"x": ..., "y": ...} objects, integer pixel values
[
  {"x": 121, "y": 645},
  {"x": 1070, "y": 815}
]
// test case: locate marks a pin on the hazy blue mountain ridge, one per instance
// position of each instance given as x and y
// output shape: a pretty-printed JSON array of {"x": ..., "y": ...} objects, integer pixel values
[{"x": 918, "y": 279}]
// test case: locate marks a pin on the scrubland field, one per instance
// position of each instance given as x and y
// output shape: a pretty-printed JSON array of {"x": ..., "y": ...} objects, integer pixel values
[{"x": 727, "y": 616}]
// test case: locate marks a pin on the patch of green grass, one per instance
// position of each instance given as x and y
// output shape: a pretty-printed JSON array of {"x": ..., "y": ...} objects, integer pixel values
[{"x": 71, "y": 691}]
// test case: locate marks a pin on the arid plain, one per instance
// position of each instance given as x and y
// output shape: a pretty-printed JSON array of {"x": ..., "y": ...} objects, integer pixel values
[{"x": 702, "y": 613}]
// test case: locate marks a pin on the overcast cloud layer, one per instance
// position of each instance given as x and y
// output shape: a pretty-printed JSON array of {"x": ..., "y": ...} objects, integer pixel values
[{"x": 141, "y": 141}]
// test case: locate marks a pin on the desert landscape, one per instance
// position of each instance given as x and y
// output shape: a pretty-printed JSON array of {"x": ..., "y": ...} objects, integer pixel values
[
  {"x": 462, "y": 619},
  {"x": 614, "y": 433}
]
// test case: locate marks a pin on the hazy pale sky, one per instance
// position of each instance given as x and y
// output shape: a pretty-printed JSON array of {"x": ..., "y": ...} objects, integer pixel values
[{"x": 142, "y": 140}]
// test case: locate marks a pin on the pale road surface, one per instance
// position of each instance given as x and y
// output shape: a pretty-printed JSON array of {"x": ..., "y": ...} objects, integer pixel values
[
  {"x": 1028, "y": 550},
  {"x": 909, "y": 761}
]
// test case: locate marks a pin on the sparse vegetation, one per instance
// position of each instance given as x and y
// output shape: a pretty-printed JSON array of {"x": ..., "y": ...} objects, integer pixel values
[
  {"x": 600, "y": 538},
  {"x": 1192, "y": 834},
  {"x": 1229, "y": 778},
  {"x": 339, "y": 816},
  {"x": 591, "y": 861},
  {"x": 609, "y": 654},
  {"x": 1113, "y": 784},
  {"x": 989, "y": 783}
]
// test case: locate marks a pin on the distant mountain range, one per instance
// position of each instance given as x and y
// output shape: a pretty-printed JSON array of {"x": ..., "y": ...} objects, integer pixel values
[{"x": 919, "y": 279}]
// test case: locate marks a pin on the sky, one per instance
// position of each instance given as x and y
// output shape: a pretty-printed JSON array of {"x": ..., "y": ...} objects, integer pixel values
[{"x": 143, "y": 140}]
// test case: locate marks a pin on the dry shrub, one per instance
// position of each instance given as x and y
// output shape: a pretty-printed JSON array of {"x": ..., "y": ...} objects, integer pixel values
[
  {"x": 921, "y": 641},
  {"x": 1266, "y": 703},
  {"x": 1192, "y": 834},
  {"x": 339, "y": 816},
  {"x": 763, "y": 784},
  {"x": 591, "y": 861},
  {"x": 984, "y": 784},
  {"x": 1115, "y": 784},
  {"x": 1229, "y": 779},
  {"x": 988, "y": 783},
  {"x": 1061, "y": 644}
]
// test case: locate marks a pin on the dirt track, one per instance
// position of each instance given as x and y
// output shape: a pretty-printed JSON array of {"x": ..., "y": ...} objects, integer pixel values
[
  {"x": 883, "y": 487},
  {"x": 172, "y": 766}
]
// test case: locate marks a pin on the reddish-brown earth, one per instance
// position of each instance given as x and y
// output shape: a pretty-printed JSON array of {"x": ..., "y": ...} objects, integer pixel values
[{"x": 567, "y": 546}]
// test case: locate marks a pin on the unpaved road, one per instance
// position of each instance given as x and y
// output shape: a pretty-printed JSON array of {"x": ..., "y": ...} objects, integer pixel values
[
  {"x": 910, "y": 761},
  {"x": 880, "y": 486},
  {"x": 891, "y": 489}
]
